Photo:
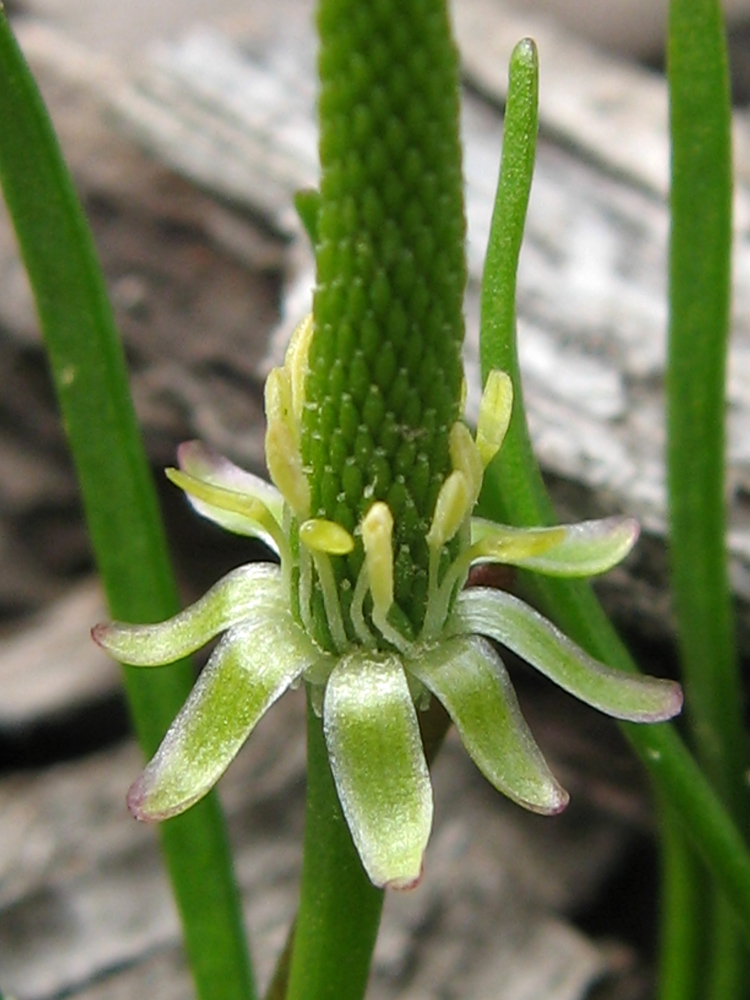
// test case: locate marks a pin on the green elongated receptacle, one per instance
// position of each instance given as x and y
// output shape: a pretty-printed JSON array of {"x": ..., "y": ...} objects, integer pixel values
[{"x": 385, "y": 379}]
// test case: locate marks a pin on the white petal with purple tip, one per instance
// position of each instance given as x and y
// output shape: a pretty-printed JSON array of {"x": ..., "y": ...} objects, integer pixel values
[
  {"x": 467, "y": 676},
  {"x": 378, "y": 765},
  {"x": 252, "y": 666},
  {"x": 216, "y": 471},
  {"x": 584, "y": 549},
  {"x": 507, "y": 620},
  {"x": 247, "y": 592}
]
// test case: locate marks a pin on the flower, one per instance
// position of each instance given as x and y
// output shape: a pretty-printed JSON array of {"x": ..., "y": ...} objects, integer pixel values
[{"x": 372, "y": 674}]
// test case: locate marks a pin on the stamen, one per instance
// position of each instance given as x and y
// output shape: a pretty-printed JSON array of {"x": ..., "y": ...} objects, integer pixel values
[
  {"x": 282, "y": 443},
  {"x": 247, "y": 506},
  {"x": 321, "y": 535},
  {"x": 285, "y": 468},
  {"x": 377, "y": 539},
  {"x": 499, "y": 544},
  {"x": 286, "y": 564},
  {"x": 305, "y": 589},
  {"x": 278, "y": 398},
  {"x": 466, "y": 458},
  {"x": 324, "y": 538},
  {"x": 295, "y": 361},
  {"x": 452, "y": 506},
  {"x": 356, "y": 612},
  {"x": 494, "y": 414},
  {"x": 440, "y": 593},
  {"x": 331, "y": 600}
]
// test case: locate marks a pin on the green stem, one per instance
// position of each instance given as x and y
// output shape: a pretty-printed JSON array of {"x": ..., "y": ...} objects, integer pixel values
[
  {"x": 118, "y": 495},
  {"x": 514, "y": 491},
  {"x": 339, "y": 910},
  {"x": 699, "y": 294},
  {"x": 520, "y": 127},
  {"x": 681, "y": 943},
  {"x": 699, "y": 291}
]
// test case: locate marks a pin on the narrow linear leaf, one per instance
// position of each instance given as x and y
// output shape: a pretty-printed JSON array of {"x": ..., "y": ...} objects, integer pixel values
[
  {"x": 253, "y": 665},
  {"x": 118, "y": 496},
  {"x": 700, "y": 248},
  {"x": 514, "y": 493}
]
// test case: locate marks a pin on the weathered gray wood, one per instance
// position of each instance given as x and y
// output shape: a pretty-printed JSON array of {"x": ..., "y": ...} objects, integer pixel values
[{"x": 51, "y": 665}]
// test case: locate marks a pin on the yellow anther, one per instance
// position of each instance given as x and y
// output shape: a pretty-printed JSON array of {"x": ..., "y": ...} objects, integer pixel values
[
  {"x": 377, "y": 539},
  {"x": 452, "y": 506},
  {"x": 282, "y": 443},
  {"x": 295, "y": 361},
  {"x": 466, "y": 458},
  {"x": 322, "y": 535},
  {"x": 494, "y": 414},
  {"x": 278, "y": 399},
  {"x": 285, "y": 467}
]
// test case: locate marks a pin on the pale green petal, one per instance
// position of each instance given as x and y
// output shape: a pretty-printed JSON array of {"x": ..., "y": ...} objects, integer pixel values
[
  {"x": 250, "y": 668},
  {"x": 504, "y": 618},
  {"x": 202, "y": 463},
  {"x": 583, "y": 549},
  {"x": 378, "y": 765},
  {"x": 248, "y": 592},
  {"x": 468, "y": 677},
  {"x": 217, "y": 472},
  {"x": 513, "y": 546}
]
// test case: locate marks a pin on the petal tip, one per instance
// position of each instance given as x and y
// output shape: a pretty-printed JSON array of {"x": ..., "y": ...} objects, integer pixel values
[
  {"x": 190, "y": 450},
  {"x": 560, "y": 803},
  {"x": 678, "y": 699},
  {"x": 632, "y": 531},
  {"x": 552, "y": 804},
  {"x": 670, "y": 703},
  {"x": 99, "y": 633},
  {"x": 137, "y": 801},
  {"x": 141, "y": 804},
  {"x": 405, "y": 883}
]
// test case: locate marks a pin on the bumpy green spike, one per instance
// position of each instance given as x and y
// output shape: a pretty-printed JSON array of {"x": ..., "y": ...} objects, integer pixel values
[{"x": 384, "y": 386}]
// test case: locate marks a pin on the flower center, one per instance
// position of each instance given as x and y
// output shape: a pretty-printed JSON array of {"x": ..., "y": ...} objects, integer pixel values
[{"x": 344, "y": 577}]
